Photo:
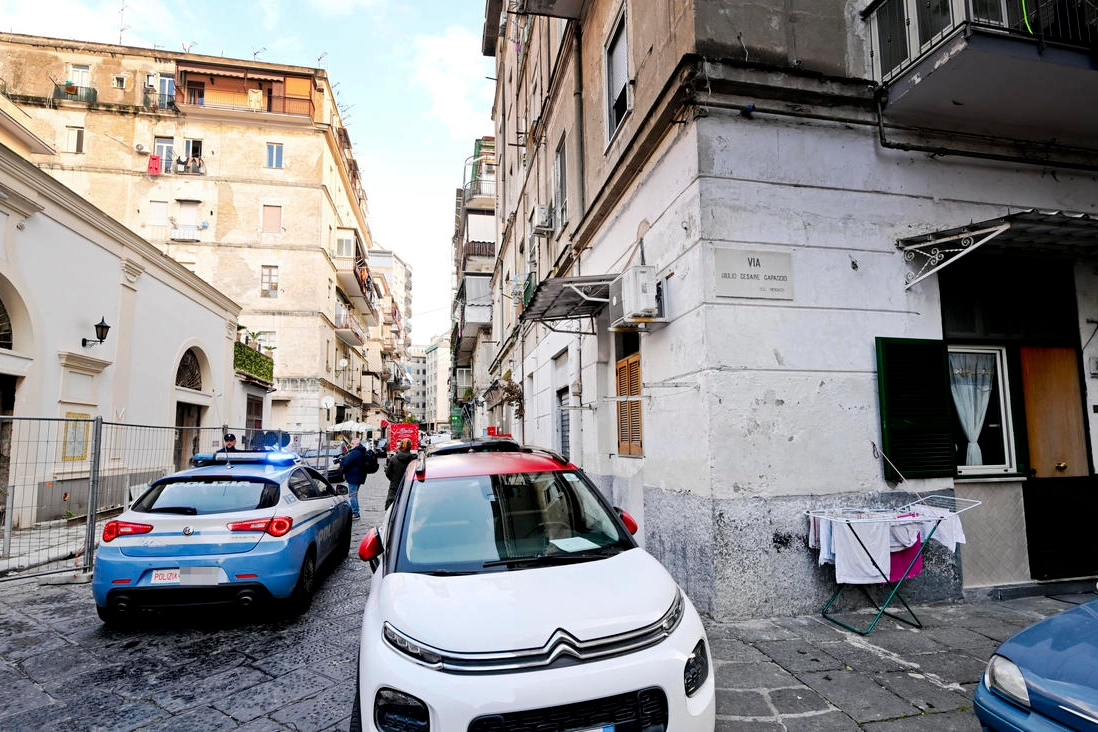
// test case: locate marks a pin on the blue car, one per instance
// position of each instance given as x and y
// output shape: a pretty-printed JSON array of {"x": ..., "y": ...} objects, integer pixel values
[
  {"x": 239, "y": 529},
  {"x": 1045, "y": 677}
]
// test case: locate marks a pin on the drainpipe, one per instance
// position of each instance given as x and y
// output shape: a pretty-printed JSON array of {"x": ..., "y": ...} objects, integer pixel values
[{"x": 576, "y": 387}]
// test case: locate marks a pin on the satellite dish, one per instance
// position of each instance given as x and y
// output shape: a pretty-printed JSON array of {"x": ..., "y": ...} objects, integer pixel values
[
  {"x": 342, "y": 363},
  {"x": 327, "y": 402}
]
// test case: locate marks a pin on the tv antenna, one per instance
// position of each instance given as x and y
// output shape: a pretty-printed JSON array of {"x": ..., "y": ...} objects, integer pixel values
[
  {"x": 122, "y": 27},
  {"x": 257, "y": 51},
  {"x": 321, "y": 57},
  {"x": 188, "y": 46}
]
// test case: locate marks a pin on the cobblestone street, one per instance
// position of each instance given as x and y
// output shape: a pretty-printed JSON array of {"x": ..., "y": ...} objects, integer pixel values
[{"x": 62, "y": 669}]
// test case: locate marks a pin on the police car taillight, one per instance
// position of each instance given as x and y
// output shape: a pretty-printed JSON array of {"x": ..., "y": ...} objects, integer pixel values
[
  {"x": 277, "y": 526},
  {"x": 114, "y": 529}
]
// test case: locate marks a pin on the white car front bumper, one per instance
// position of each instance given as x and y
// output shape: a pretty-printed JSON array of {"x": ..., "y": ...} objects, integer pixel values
[{"x": 454, "y": 700}]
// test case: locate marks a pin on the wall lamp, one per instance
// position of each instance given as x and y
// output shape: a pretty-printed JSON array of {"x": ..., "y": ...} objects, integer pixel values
[{"x": 101, "y": 329}]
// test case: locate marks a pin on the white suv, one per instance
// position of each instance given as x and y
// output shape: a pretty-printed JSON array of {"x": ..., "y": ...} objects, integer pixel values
[{"x": 507, "y": 594}]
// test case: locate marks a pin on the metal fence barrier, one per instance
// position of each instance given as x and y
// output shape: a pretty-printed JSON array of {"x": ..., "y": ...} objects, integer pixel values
[{"x": 62, "y": 479}]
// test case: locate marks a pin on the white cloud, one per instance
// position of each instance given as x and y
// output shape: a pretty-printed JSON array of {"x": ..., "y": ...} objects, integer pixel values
[{"x": 447, "y": 72}]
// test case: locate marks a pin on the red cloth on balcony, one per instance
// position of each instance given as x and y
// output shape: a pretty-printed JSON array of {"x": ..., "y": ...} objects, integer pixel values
[{"x": 154, "y": 165}]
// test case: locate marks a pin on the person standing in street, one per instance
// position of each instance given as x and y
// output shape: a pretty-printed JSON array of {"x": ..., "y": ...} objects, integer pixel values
[
  {"x": 356, "y": 466},
  {"x": 395, "y": 467}
]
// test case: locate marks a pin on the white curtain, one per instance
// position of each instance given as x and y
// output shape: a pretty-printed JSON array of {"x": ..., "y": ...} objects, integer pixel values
[{"x": 970, "y": 378}]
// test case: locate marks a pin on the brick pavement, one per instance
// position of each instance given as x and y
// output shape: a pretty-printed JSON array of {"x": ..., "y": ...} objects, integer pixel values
[{"x": 61, "y": 669}]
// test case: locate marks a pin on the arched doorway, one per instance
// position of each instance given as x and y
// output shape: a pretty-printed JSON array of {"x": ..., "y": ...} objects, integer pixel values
[{"x": 188, "y": 416}]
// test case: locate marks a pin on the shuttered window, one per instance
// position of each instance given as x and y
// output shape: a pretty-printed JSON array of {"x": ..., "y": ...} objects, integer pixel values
[
  {"x": 916, "y": 408},
  {"x": 272, "y": 219},
  {"x": 629, "y": 412}
]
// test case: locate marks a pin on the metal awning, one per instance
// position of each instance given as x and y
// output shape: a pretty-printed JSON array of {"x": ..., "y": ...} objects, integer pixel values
[
  {"x": 567, "y": 298},
  {"x": 1047, "y": 233}
]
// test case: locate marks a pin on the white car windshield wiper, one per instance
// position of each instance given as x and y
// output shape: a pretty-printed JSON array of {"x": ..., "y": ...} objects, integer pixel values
[{"x": 554, "y": 558}]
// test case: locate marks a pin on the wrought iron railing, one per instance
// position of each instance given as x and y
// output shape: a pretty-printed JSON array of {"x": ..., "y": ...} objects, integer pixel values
[
  {"x": 74, "y": 93},
  {"x": 480, "y": 187},
  {"x": 185, "y": 233},
  {"x": 904, "y": 31}
]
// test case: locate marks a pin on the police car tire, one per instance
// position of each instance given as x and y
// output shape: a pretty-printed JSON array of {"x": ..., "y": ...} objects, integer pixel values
[
  {"x": 343, "y": 548},
  {"x": 108, "y": 616},
  {"x": 302, "y": 597}
]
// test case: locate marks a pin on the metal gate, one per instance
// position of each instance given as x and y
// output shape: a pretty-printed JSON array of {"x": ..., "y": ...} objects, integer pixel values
[{"x": 62, "y": 479}]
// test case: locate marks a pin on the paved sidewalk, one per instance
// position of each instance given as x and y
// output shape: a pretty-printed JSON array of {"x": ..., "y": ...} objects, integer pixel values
[{"x": 805, "y": 673}]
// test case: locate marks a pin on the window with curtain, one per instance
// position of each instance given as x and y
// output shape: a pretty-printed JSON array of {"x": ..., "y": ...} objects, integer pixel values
[{"x": 982, "y": 434}]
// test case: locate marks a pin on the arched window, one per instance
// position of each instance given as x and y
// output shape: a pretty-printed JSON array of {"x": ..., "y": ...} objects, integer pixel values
[
  {"x": 5, "y": 327},
  {"x": 189, "y": 374}
]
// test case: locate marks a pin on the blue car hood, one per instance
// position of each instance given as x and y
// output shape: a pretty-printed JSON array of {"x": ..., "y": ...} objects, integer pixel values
[{"x": 1059, "y": 660}]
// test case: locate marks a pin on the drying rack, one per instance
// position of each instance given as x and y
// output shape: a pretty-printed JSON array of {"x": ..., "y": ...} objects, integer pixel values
[{"x": 931, "y": 510}]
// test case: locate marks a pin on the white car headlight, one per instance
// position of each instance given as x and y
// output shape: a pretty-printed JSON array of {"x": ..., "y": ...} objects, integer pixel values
[
  {"x": 1003, "y": 676},
  {"x": 409, "y": 647}
]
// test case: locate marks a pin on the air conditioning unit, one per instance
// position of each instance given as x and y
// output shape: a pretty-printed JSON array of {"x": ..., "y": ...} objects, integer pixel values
[
  {"x": 140, "y": 149},
  {"x": 543, "y": 220},
  {"x": 636, "y": 299}
]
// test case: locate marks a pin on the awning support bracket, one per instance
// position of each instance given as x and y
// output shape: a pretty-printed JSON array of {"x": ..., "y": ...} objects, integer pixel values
[
  {"x": 587, "y": 297},
  {"x": 936, "y": 254},
  {"x": 569, "y": 331}
]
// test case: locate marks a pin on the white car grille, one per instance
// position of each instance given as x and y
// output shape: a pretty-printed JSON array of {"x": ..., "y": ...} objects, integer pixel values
[{"x": 561, "y": 648}]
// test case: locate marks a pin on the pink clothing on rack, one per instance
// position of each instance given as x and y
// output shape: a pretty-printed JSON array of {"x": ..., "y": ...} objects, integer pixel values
[{"x": 901, "y": 560}]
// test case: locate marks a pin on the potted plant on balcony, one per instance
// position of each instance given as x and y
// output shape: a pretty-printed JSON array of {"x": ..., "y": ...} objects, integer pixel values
[{"x": 70, "y": 88}]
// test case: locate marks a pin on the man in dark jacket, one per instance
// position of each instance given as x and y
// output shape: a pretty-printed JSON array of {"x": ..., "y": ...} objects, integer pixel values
[
  {"x": 395, "y": 468},
  {"x": 355, "y": 468}
]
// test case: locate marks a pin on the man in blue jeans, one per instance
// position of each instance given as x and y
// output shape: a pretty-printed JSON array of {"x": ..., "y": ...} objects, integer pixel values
[{"x": 355, "y": 469}]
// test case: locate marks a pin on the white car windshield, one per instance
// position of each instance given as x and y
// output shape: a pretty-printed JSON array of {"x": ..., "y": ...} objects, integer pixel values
[{"x": 506, "y": 521}]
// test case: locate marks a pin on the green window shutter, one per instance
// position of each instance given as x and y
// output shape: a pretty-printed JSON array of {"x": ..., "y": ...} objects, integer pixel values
[{"x": 916, "y": 408}]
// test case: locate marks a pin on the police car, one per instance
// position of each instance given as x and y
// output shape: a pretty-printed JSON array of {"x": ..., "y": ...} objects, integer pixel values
[
  {"x": 509, "y": 595},
  {"x": 240, "y": 528}
]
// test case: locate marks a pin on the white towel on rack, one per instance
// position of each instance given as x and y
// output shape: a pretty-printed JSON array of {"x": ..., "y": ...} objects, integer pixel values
[
  {"x": 949, "y": 532},
  {"x": 827, "y": 545},
  {"x": 853, "y": 563}
]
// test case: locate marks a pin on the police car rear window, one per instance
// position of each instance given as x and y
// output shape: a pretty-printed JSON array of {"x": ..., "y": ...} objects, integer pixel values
[{"x": 199, "y": 497}]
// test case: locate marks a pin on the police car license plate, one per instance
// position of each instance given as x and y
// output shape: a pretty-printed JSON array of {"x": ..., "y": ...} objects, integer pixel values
[
  {"x": 165, "y": 577},
  {"x": 607, "y": 728}
]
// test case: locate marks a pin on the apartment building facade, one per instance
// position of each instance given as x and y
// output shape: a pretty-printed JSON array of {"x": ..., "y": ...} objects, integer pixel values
[
  {"x": 474, "y": 245},
  {"x": 244, "y": 173},
  {"x": 776, "y": 248},
  {"x": 438, "y": 404},
  {"x": 393, "y": 334}
]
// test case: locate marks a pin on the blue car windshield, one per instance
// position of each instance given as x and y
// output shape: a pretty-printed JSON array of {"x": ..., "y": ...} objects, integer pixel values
[
  {"x": 198, "y": 497},
  {"x": 482, "y": 523}
]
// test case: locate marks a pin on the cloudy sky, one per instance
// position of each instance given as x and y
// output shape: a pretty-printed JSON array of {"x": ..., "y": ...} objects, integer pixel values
[{"x": 408, "y": 75}]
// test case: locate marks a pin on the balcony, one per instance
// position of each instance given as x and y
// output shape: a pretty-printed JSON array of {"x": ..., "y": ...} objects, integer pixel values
[
  {"x": 185, "y": 233},
  {"x": 1020, "y": 69},
  {"x": 252, "y": 365},
  {"x": 74, "y": 93},
  {"x": 481, "y": 188},
  {"x": 243, "y": 102},
  {"x": 353, "y": 276},
  {"x": 348, "y": 330},
  {"x": 155, "y": 100}
]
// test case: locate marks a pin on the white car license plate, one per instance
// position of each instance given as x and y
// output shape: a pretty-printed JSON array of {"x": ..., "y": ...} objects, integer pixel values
[{"x": 165, "y": 577}]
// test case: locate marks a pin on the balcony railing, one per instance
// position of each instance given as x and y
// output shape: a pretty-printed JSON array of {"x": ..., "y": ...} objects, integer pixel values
[
  {"x": 185, "y": 233},
  {"x": 344, "y": 321},
  {"x": 480, "y": 187},
  {"x": 156, "y": 100},
  {"x": 243, "y": 103},
  {"x": 74, "y": 93},
  {"x": 905, "y": 30}
]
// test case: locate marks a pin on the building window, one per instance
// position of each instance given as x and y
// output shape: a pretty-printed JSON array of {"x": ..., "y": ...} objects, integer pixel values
[
  {"x": 617, "y": 77},
  {"x": 266, "y": 340},
  {"x": 981, "y": 403},
  {"x": 274, "y": 155},
  {"x": 80, "y": 74},
  {"x": 166, "y": 97},
  {"x": 268, "y": 281},
  {"x": 628, "y": 377},
  {"x": 272, "y": 219},
  {"x": 74, "y": 139},
  {"x": 560, "y": 188},
  {"x": 345, "y": 243},
  {"x": 118, "y": 82},
  {"x": 196, "y": 93},
  {"x": 164, "y": 148}
]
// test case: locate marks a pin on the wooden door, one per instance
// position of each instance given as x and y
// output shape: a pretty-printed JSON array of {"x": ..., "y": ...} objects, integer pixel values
[{"x": 1054, "y": 413}]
